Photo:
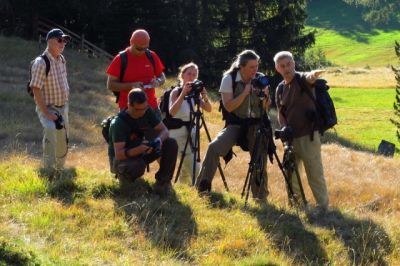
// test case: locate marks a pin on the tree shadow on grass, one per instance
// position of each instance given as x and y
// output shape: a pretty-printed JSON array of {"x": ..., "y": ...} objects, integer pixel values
[
  {"x": 289, "y": 235},
  {"x": 367, "y": 243},
  {"x": 62, "y": 184},
  {"x": 167, "y": 222},
  {"x": 330, "y": 137}
]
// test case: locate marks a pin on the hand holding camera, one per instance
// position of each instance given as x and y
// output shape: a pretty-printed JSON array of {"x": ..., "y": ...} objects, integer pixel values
[
  {"x": 154, "y": 146},
  {"x": 197, "y": 87},
  {"x": 59, "y": 122},
  {"x": 260, "y": 87},
  {"x": 285, "y": 134}
]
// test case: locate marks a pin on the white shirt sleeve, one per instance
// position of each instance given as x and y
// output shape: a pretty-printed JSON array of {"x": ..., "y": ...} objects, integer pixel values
[{"x": 226, "y": 84}]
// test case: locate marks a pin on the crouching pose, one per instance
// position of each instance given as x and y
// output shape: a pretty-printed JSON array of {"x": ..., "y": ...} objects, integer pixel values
[{"x": 130, "y": 152}]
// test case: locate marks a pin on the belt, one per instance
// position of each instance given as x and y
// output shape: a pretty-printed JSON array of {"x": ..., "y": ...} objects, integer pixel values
[{"x": 59, "y": 106}]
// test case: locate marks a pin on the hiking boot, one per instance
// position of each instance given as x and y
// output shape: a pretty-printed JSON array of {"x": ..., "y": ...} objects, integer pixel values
[
  {"x": 162, "y": 189},
  {"x": 204, "y": 186}
]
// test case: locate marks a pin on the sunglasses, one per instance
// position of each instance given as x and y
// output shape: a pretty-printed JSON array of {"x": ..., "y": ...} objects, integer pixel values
[
  {"x": 60, "y": 40},
  {"x": 140, "y": 49}
]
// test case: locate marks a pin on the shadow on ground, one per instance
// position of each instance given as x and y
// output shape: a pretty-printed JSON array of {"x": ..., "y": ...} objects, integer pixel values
[
  {"x": 165, "y": 221},
  {"x": 367, "y": 243},
  {"x": 61, "y": 185}
]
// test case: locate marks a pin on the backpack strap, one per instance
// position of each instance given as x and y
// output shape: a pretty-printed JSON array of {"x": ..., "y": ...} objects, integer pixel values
[
  {"x": 124, "y": 63},
  {"x": 304, "y": 88},
  {"x": 234, "y": 83},
  {"x": 151, "y": 59},
  {"x": 47, "y": 62}
]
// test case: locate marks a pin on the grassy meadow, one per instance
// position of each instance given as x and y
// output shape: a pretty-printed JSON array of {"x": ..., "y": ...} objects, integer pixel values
[{"x": 84, "y": 217}]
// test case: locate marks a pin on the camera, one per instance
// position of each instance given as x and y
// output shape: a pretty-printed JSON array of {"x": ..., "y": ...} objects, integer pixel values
[
  {"x": 59, "y": 122},
  {"x": 259, "y": 83},
  {"x": 285, "y": 134},
  {"x": 197, "y": 87},
  {"x": 156, "y": 145}
]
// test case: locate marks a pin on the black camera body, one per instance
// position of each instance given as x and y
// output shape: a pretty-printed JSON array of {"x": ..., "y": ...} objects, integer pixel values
[
  {"x": 259, "y": 83},
  {"x": 285, "y": 134},
  {"x": 156, "y": 145},
  {"x": 197, "y": 87},
  {"x": 59, "y": 122}
]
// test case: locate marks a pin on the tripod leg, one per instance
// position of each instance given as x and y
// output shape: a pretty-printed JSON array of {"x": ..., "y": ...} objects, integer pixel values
[
  {"x": 246, "y": 180},
  {"x": 188, "y": 140},
  {"x": 303, "y": 196},
  {"x": 288, "y": 182}
]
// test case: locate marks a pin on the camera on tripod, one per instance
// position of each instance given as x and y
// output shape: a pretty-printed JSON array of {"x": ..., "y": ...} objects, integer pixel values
[
  {"x": 285, "y": 134},
  {"x": 59, "y": 122},
  {"x": 156, "y": 145},
  {"x": 259, "y": 83},
  {"x": 197, "y": 86}
]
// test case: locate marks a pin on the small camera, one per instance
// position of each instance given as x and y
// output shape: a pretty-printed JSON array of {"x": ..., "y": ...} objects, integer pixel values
[
  {"x": 285, "y": 134},
  {"x": 197, "y": 87},
  {"x": 259, "y": 83},
  {"x": 156, "y": 145},
  {"x": 59, "y": 122}
]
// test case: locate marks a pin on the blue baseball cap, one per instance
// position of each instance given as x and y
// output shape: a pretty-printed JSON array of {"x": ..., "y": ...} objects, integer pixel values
[{"x": 57, "y": 33}]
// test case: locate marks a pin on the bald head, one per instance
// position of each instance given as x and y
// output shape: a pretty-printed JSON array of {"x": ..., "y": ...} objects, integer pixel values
[{"x": 140, "y": 37}]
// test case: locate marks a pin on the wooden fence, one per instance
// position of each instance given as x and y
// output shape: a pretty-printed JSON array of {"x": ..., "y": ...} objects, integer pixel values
[{"x": 77, "y": 41}]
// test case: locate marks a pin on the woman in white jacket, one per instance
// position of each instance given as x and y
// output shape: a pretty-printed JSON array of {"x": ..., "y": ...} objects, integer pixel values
[{"x": 179, "y": 108}]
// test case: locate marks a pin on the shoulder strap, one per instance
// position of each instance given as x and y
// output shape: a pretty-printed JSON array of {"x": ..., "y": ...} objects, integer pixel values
[
  {"x": 47, "y": 61},
  {"x": 151, "y": 59},
  {"x": 234, "y": 83},
  {"x": 304, "y": 88},
  {"x": 124, "y": 63}
]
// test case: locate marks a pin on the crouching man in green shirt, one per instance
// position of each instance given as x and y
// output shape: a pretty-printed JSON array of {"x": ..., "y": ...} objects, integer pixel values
[{"x": 130, "y": 152}]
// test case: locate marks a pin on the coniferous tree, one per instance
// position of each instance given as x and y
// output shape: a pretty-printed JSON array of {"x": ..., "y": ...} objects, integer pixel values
[{"x": 396, "y": 104}]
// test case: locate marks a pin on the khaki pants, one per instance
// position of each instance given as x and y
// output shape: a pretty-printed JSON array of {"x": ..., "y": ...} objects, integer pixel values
[
  {"x": 55, "y": 146},
  {"x": 309, "y": 153},
  {"x": 181, "y": 135},
  {"x": 220, "y": 146}
]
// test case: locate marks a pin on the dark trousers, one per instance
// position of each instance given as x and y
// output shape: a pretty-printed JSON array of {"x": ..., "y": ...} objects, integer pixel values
[{"x": 133, "y": 168}]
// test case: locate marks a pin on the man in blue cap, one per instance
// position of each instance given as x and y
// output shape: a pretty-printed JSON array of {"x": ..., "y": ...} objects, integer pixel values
[{"x": 51, "y": 92}]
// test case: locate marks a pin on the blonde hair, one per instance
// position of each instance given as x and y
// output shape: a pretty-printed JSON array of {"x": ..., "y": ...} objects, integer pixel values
[{"x": 184, "y": 68}]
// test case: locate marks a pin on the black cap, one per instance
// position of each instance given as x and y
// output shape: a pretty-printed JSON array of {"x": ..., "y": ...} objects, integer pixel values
[{"x": 57, "y": 33}]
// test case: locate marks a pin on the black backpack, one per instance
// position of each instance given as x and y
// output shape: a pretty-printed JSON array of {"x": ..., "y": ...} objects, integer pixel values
[
  {"x": 47, "y": 61},
  {"x": 106, "y": 123},
  {"x": 124, "y": 64},
  {"x": 326, "y": 113},
  {"x": 169, "y": 121}
]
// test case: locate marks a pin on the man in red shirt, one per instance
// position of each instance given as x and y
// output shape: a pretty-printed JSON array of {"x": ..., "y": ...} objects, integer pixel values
[{"x": 140, "y": 71}]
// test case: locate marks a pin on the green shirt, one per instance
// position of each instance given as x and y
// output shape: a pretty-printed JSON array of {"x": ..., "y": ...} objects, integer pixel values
[{"x": 131, "y": 130}]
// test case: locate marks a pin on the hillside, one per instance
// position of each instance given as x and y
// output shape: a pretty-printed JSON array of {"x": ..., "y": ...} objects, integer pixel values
[
  {"x": 85, "y": 217},
  {"x": 349, "y": 42}
]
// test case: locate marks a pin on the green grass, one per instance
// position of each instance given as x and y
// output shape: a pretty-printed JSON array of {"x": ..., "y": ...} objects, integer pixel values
[
  {"x": 346, "y": 39},
  {"x": 364, "y": 115},
  {"x": 376, "y": 50},
  {"x": 95, "y": 222}
]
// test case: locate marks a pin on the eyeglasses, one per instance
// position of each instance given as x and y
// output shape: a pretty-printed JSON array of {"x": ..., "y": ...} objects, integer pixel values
[{"x": 60, "y": 40}]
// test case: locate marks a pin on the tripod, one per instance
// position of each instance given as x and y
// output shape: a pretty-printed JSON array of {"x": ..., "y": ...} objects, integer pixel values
[
  {"x": 264, "y": 143},
  {"x": 196, "y": 121},
  {"x": 290, "y": 167}
]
